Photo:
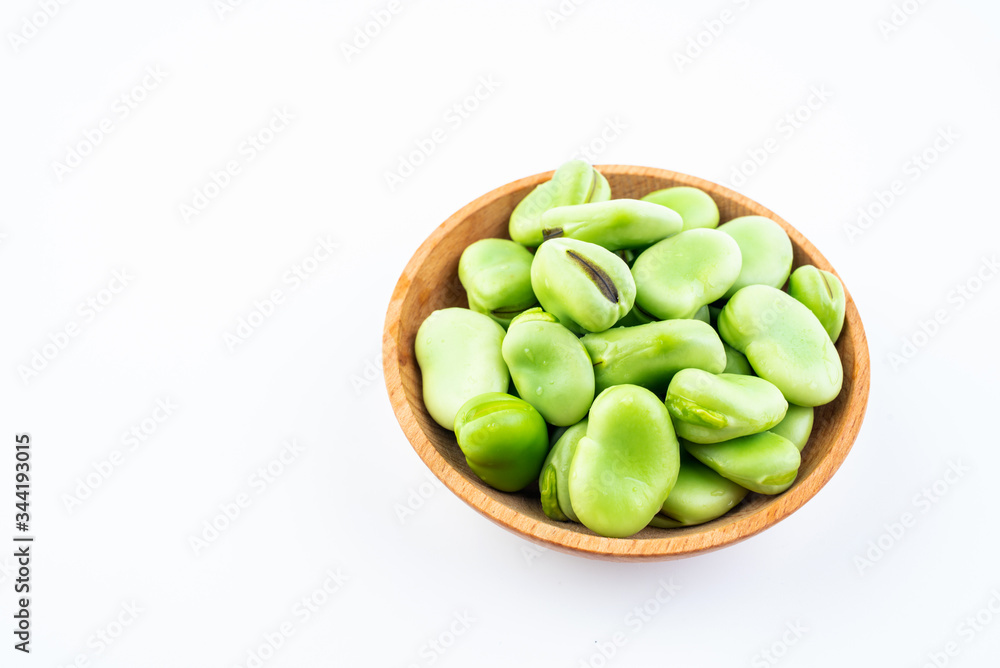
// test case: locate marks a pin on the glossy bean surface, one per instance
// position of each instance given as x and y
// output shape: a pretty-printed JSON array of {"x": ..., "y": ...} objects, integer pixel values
[
  {"x": 626, "y": 465},
  {"x": 649, "y": 355},
  {"x": 695, "y": 206},
  {"x": 459, "y": 354},
  {"x": 678, "y": 276},
  {"x": 700, "y": 495},
  {"x": 765, "y": 249},
  {"x": 615, "y": 224},
  {"x": 553, "y": 483},
  {"x": 575, "y": 182},
  {"x": 784, "y": 343},
  {"x": 710, "y": 408},
  {"x": 550, "y": 367},
  {"x": 503, "y": 438},
  {"x": 796, "y": 426},
  {"x": 764, "y": 463},
  {"x": 823, "y": 294},
  {"x": 496, "y": 275},
  {"x": 587, "y": 287}
]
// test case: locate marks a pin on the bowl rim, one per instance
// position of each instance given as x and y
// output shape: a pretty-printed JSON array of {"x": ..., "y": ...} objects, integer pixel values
[{"x": 625, "y": 549}]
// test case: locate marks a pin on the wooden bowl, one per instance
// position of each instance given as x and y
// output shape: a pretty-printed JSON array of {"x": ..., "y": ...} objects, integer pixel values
[{"x": 430, "y": 282}]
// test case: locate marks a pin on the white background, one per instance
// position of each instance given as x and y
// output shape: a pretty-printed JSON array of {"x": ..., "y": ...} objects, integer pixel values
[{"x": 310, "y": 374}]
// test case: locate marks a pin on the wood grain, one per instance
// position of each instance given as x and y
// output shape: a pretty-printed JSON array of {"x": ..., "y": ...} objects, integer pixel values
[{"x": 430, "y": 282}]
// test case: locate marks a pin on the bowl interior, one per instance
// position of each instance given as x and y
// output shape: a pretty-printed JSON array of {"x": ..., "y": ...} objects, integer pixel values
[{"x": 431, "y": 282}]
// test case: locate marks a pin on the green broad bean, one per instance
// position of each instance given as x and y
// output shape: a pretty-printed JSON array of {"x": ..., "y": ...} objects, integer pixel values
[
  {"x": 678, "y": 276},
  {"x": 695, "y": 206},
  {"x": 587, "y": 287},
  {"x": 650, "y": 355},
  {"x": 823, "y": 294},
  {"x": 784, "y": 343},
  {"x": 766, "y": 251},
  {"x": 736, "y": 362},
  {"x": 496, "y": 275},
  {"x": 626, "y": 465},
  {"x": 616, "y": 224},
  {"x": 575, "y": 182},
  {"x": 700, "y": 496},
  {"x": 709, "y": 408},
  {"x": 503, "y": 438},
  {"x": 459, "y": 354},
  {"x": 550, "y": 367},
  {"x": 553, "y": 483},
  {"x": 796, "y": 426},
  {"x": 764, "y": 463}
]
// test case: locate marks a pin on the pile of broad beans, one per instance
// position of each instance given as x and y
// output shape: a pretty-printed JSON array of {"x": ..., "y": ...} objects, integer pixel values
[{"x": 638, "y": 360}]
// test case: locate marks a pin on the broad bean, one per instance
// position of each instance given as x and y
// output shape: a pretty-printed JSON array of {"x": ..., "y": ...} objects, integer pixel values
[
  {"x": 823, "y": 294},
  {"x": 736, "y": 362},
  {"x": 554, "y": 479},
  {"x": 550, "y": 367},
  {"x": 650, "y": 355},
  {"x": 626, "y": 465},
  {"x": 678, "y": 276},
  {"x": 700, "y": 495},
  {"x": 766, "y": 251},
  {"x": 784, "y": 343},
  {"x": 764, "y": 463},
  {"x": 616, "y": 224},
  {"x": 503, "y": 438},
  {"x": 709, "y": 408},
  {"x": 459, "y": 354},
  {"x": 796, "y": 426},
  {"x": 587, "y": 287},
  {"x": 695, "y": 206},
  {"x": 496, "y": 275},
  {"x": 575, "y": 182}
]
